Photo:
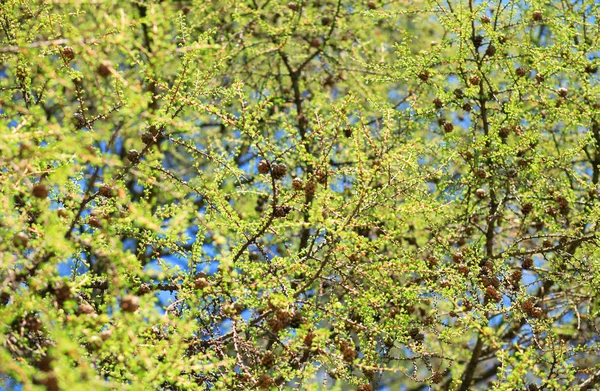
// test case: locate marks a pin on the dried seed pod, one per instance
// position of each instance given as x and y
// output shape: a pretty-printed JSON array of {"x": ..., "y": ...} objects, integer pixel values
[
  {"x": 78, "y": 120},
  {"x": 130, "y": 303},
  {"x": 316, "y": 42},
  {"x": 457, "y": 257},
  {"x": 526, "y": 208},
  {"x": 148, "y": 138},
  {"x": 463, "y": 269},
  {"x": 309, "y": 189},
  {"x": 297, "y": 184},
  {"x": 437, "y": 377},
  {"x": 20, "y": 239},
  {"x": 133, "y": 155},
  {"x": 103, "y": 70},
  {"x": 321, "y": 176},
  {"x": 591, "y": 68},
  {"x": 68, "y": 53},
  {"x": 279, "y": 171},
  {"x": 94, "y": 221},
  {"x": 267, "y": 360},
  {"x": 265, "y": 382},
  {"x": 492, "y": 294},
  {"x": 201, "y": 283},
  {"x": 85, "y": 309},
  {"x": 516, "y": 276},
  {"x": 39, "y": 190},
  {"x": 282, "y": 211},
  {"x": 539, "y": 78},
  {"x": 562, "y": 92},
  {"x": 263, "y": 167},
  {"x": 106, "y": 191},
  {"x": 105, "y": 334},
  {"x": 144, "y": 289}
]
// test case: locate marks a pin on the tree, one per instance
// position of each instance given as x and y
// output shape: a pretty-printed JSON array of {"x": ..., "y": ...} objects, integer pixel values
[{"x": 314, "y": 195}]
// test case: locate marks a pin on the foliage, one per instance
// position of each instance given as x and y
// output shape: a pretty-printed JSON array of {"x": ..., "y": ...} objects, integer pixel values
[{"x": 313, "y": 195}]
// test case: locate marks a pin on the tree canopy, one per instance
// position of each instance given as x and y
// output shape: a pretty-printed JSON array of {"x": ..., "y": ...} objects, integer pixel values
[{"x": 319, "y": 194}]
